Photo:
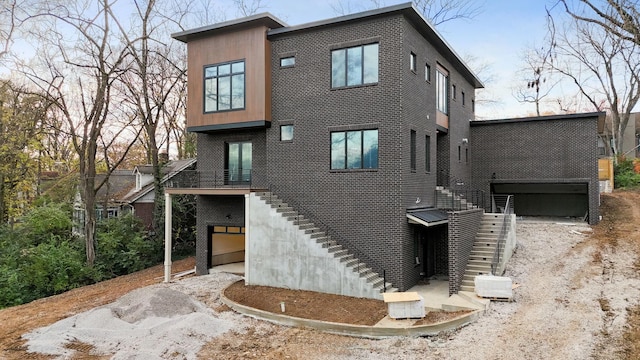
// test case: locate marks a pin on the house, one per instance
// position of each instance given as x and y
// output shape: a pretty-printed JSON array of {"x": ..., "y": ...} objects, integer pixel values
[
  {"x": 336, "y": 156},
  {"x": 130, "y": 191},
  {"x": 631, "y": 141}
]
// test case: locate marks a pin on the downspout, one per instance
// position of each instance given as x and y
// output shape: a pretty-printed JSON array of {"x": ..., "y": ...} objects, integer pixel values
[{"x": 167, "y": 237}]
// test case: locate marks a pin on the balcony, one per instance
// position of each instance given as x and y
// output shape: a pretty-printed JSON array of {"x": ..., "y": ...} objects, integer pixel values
[{"x": 219, "y": 182}]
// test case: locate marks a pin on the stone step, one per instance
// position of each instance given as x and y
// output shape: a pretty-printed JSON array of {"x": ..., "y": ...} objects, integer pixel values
[
  {"x": 467, "y": 288},
  {"x": 345, "y": 257},
  {"x": 474, "y": 273},
  {"x": 307, "y": 226},
  {"x": 313, "y": 230},
  {"x": 334, "y": 248},
  {"x": 326, "y": 242},
  {"x": 473, "y": 262},
  {"x": 482, "y": 268}
]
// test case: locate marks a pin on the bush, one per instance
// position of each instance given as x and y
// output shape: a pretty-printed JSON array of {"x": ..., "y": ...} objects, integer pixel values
[
  {"x": 48, "y": 220},
  {"x": 625, "y": 175},
  {"x": 122, "y": 248}
]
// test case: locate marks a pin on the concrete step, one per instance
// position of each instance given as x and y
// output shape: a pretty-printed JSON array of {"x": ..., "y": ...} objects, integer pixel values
[
  {"x": 473, "y": 272},
  {"x": 467, "y": 288},
  {"x": 313, "y": 230},
  {"x": 334, "y": 248},
  {"x": 326, "y": 242},
  {"x": 472, "y": 262},
  {"x": 471, "y": 296},
  {"x": 456, "y": 302},
  {"x": 480, "y": 268},
  {"x": 345, "y": 257}
]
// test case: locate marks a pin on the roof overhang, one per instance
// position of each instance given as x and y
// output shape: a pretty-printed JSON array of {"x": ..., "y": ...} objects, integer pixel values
[
  {"x": 264, "y": 19},
  {"x": 427, "y": 217}
]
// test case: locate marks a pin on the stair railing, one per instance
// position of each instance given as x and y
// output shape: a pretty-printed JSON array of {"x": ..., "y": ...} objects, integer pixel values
[
  {"x": 459, "y": 199},
  {"x": 353, "y": 249},
  {"x": 505, "y": 203}
]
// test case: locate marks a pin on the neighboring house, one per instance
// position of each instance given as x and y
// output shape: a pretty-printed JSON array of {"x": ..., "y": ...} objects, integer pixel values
[
  {"x": 630, "y": 143},
  {"x": 336, "y": 156},
  {"x": 130, "y": 191}
]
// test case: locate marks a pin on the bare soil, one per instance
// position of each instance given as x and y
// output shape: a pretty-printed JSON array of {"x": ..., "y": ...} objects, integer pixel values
[{"x": 579, "y": 299}]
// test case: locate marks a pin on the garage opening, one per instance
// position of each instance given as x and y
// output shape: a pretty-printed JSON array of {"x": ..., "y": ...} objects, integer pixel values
[
  {"x": 547, "y": 198},
  {"x": 226, "y": 244}
]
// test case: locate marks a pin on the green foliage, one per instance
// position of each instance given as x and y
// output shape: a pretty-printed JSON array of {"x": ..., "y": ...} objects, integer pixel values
[
  {"x": 49, "y": 220},
  {"x": 42, "y": 258},
  {"x": 625, "y": 175},
  {"x": 121, "y": 247}
]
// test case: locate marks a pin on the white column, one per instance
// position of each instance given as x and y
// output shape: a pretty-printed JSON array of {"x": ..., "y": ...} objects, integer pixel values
[
  {"x": 167, "y": 237},
  {"x": 247, "y": 237}
]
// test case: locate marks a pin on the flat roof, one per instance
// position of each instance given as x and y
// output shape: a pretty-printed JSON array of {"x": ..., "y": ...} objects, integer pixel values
[
  {"x": 599, "y": 115},
  {"x": 426, "y": 29},
  {"x": 262, "y": 19}
]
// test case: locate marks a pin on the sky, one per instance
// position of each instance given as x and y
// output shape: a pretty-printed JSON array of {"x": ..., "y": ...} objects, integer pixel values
[{"x": 497, "y": 36}]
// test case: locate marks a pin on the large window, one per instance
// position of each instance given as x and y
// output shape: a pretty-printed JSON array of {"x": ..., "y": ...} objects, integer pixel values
[
  {"x": 442, "y": 91},
  {"x": 354, "y": 149},
  {"x": 354, "y": 66},
  {"x": 224, "y": 87}
]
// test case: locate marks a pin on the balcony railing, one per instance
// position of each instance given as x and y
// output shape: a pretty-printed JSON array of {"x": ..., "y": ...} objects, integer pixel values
[{"x": 226, "y": 178}]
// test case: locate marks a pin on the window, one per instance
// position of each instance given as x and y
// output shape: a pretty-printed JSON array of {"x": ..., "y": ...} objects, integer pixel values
[
  {"x": 224, "y": 87},
  {"x": 413, "y": 150},
  {"x": 427, "y": 73},
  {"x": 454, "y": 92},
  {"x": 459, "y": 154},
  {"x": 286, "y": 132},
  {"x": 466, "y": 155},
  {"x": 288, "y": 61},
  {"x": 427, "y": 153},
  {"x": 442, "y": 92},
  {"x": 354, "y": 149},
  {"x": 354, "y": 66},
  {"x": 473, "y": 105},
  {"x": 463, "y": 99},
  {"x": 238, "y": 162},
  {"x": 412, "y": 62}
]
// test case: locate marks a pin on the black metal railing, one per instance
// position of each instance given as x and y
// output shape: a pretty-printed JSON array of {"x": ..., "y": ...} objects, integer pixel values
[
  {"x": 456, "y": 200},
  {"x": 361, "y": 256},
  {"x": 505, "y": 204},
  {"x": 225, "y": 178}
]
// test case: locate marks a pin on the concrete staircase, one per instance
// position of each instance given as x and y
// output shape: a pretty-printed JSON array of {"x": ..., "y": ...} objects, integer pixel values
[
  {"x": 307, "y": 228},
  {"x": 484, "y": 248},
  {"x": 445, "y": 199}
]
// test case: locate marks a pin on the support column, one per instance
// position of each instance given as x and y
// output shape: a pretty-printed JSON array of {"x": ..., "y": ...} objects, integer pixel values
[{"x": 167, "y": 237}]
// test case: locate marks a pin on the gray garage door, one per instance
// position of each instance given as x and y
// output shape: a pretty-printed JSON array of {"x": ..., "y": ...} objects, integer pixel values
[{"x": 547, "y": 199}]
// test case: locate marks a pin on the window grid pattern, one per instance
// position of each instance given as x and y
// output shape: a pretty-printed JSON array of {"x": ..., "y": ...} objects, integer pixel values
[
  {"x": 353, "y": 66},
  {"x": 354, "y": 149},
  {"x": 224, "y": 87}
]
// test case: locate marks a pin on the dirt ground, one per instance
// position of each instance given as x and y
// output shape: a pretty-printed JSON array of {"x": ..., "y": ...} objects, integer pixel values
[{"x": 579, "y": 301}]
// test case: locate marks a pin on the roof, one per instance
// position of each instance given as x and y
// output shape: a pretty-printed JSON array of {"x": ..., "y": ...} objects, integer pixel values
[
  {"x": 599, "y": 115},
  {"x": 120, "y": 183},
  {"x": 280, "y": 28},
  {"x": 170, "y": 170},
  {"x": 423, "y": 26},
  {"x": 262, "y": 19},
  {"x": 428, "y": 217}
]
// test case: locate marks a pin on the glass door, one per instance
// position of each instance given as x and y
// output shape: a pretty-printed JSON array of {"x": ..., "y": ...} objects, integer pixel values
[{"x": 238, "y": 162}]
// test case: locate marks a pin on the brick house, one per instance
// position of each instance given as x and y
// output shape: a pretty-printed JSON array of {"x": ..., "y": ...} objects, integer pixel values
[{"x": 326, "y": 151}]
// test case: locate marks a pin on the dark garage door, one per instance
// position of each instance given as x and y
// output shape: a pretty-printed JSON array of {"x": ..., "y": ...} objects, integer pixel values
[{"x": 547, "y": 199}]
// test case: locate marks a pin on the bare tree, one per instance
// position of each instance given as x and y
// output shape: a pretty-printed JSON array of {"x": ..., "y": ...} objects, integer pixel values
[
  {"x": 82, "y": 62},
  {"x": 618, "y": 17},
  {"x": 604, "y": 67},
  {"x": 536, "y": 81},
  {"x": 436, "y": 11},
  {"x": 8, "y": 24},
  {"x": 248, "y": 7}
]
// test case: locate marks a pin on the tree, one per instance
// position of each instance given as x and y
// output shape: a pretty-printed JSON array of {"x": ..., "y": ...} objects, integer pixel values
[
  {"x": 604, "y": 67},
  {"x": 436, "y": 11},
  {"x": 81, "y": 62},
  {"x": 618, "y": 17},
  {"x": 21, "y": 117}
]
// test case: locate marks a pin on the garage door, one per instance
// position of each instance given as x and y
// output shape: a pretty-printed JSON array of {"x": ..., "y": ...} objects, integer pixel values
[
  {"x": 547, "y": 199},
  {"x": 227, "y": 245}
]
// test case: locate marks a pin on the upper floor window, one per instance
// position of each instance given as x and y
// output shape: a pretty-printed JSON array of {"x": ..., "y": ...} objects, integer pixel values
[
  {"x": 356, "y": 65},
  {"x": 354, "y": 149},
  {"x": 427, "y": 72},
  {"x": 427, "y": 153},
  {"x": 463, "y": 98},
  {"x": 454, "y": 92},
  {"x": 413, "y": 150},
  {"x": 412, "y": 62},
  {"x": 286, "y": 132},
  {"x": 288, "y": 61},
  {"x": 224, "y": 87},
  {"x": 442, "y": 91}
]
